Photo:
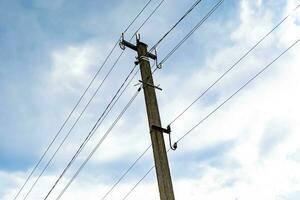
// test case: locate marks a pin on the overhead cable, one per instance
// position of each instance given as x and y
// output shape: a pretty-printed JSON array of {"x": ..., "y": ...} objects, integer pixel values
[
  {"x": 176, "y": 24},
  {"x": 215, "y": 82},
  {"x": 77, "y": 103},
  {"x": 216, "y": 6},
  {"x": 145, "y": 21},
  {"x": 97, "y": 124},
  {"x": 217, "y": 108},
  {"x": 99, "y": 143},
  {"x": 234, "y": 65},
  {"x": 141, "y": 155}
]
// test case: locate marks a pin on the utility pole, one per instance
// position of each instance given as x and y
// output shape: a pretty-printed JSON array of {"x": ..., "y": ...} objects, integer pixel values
[{"x": 156, "y": 132}]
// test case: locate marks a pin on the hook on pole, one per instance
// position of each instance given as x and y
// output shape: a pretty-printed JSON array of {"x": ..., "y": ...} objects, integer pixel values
[{"x": 167, "y": 131}]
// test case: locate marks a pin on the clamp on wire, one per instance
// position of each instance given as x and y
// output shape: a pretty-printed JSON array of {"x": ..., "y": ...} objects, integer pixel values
[
  {"x": 158, "y": 65},
  {"x": 167, "y": 131},
  {"x": 121, "y": 44},
  {"x": 138, "y": 36}
]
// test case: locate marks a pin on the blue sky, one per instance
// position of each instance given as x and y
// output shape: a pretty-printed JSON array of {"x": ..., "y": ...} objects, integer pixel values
[{"x": 49, "y": 50}]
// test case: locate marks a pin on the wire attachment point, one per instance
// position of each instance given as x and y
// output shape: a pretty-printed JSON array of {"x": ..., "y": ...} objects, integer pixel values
[
  {"x": 121, "y": 43},
  {"x": 159, "y": 66},
  {"x": 167, "y": 131},
  {"x": 151, "y": 85}
]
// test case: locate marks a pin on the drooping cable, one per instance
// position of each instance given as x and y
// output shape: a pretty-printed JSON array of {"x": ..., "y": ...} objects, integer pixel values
[
  {"x": 75, "y": 107},
  {"x": 126, "y": 172},
  {"x": 99, "y": 143},
  {"x": 74, "y": 157},
  {"x": 147, "y": 19},
  {"x": 217, "y": 108},
  {"x": 133, "y": 188},
  {"x": 197, "y": 99},
  {"x": 213, "y": 9},
  {"x": 176, "y": 24},
  {"x": 135, "y": 162},
  {"x": 71, "y": 129},
  {"x": 137, "y": 16},
  {"x": 237, "y": 91},
  {"x": 97, "y": 124},
  {"x": 234, "y": 65},
  {"x": 64, "y": 123},
  {"x": 216, "y": 6}
]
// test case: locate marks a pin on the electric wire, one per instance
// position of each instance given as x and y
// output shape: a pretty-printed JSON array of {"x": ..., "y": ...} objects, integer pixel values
[
  {"x": 64, "y": 123},
  {"x": 76, "y": 105},
  {"x": 234, "y": 65},
  {"x": 136, "y": 161},
  {"x": 133, "y": 188},
  {"x": 193, "y": 30},
  {"x": 72, "y": 128},
  {"x": 97, "y": 124},
  {"x": 215, "y": 82},
  {"x": 126, "y": 172},
  {"x": 99, "y": 143},
  {"x": 237, "y": 91},
  {"x": 137, "y": 16},
  {"x": 216, "y": 6},
  {"x": 217, "y": 108},
  {"x": 147, "y": 19},
  {"x": 206, "y": 92},
  {"x": 176, "y": 24}
]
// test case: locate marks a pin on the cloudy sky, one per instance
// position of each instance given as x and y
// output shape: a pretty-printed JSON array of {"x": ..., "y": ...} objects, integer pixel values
[{"x": 248, "y": 149}]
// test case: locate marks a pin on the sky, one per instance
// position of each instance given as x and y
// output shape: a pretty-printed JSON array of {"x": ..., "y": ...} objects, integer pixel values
[{"x": 248, "y": 149}]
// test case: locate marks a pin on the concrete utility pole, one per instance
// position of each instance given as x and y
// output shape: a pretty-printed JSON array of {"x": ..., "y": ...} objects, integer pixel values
[{"x": 157, "y": 139}]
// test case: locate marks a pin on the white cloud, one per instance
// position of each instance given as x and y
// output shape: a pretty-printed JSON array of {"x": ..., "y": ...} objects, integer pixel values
[
  {"x": 248, "y": 119},
  {"x": 72, "y": 65}
]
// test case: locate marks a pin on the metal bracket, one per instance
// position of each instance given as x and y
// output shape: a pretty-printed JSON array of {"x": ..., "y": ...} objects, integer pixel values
[
  {"x": 148, "y": 84},
  {"x": 138, "y": 36},
  {"x": 123, "y": 44},
  {"x": 158, "y": 65},
  {"x": 167, "y": 131}
]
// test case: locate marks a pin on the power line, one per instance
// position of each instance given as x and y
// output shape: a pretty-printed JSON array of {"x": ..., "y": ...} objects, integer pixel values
[
  {"x": 100, "y": 142},
  {"x": 234, "y": 65},
  {"x": 147, "y": 19},
  {"x": 132, "y": 189},
  {"x": 129, "y": 170},
  {"x": 235, "y": 93},
  {"x": 134, "y": 163},
  {"x": 97, "y": 124},
  {"x": 197, "y": 99},
  {"x": 191, "y": 32},
  {"x": 74, "y": 157},
  {"x": 137, "y": 16},
  {"x": 72, "y": 127},
  {"x": 64, "y": 123},
  {"x": 126, "y": 172},
  {"x": 78, "y": 102},
  {"x": 217, "y": 108},
  {"x": 176, "y": 24}
]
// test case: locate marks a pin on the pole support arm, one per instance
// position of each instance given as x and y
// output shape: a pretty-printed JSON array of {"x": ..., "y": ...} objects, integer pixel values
[{"x": 125, "y": 43}]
